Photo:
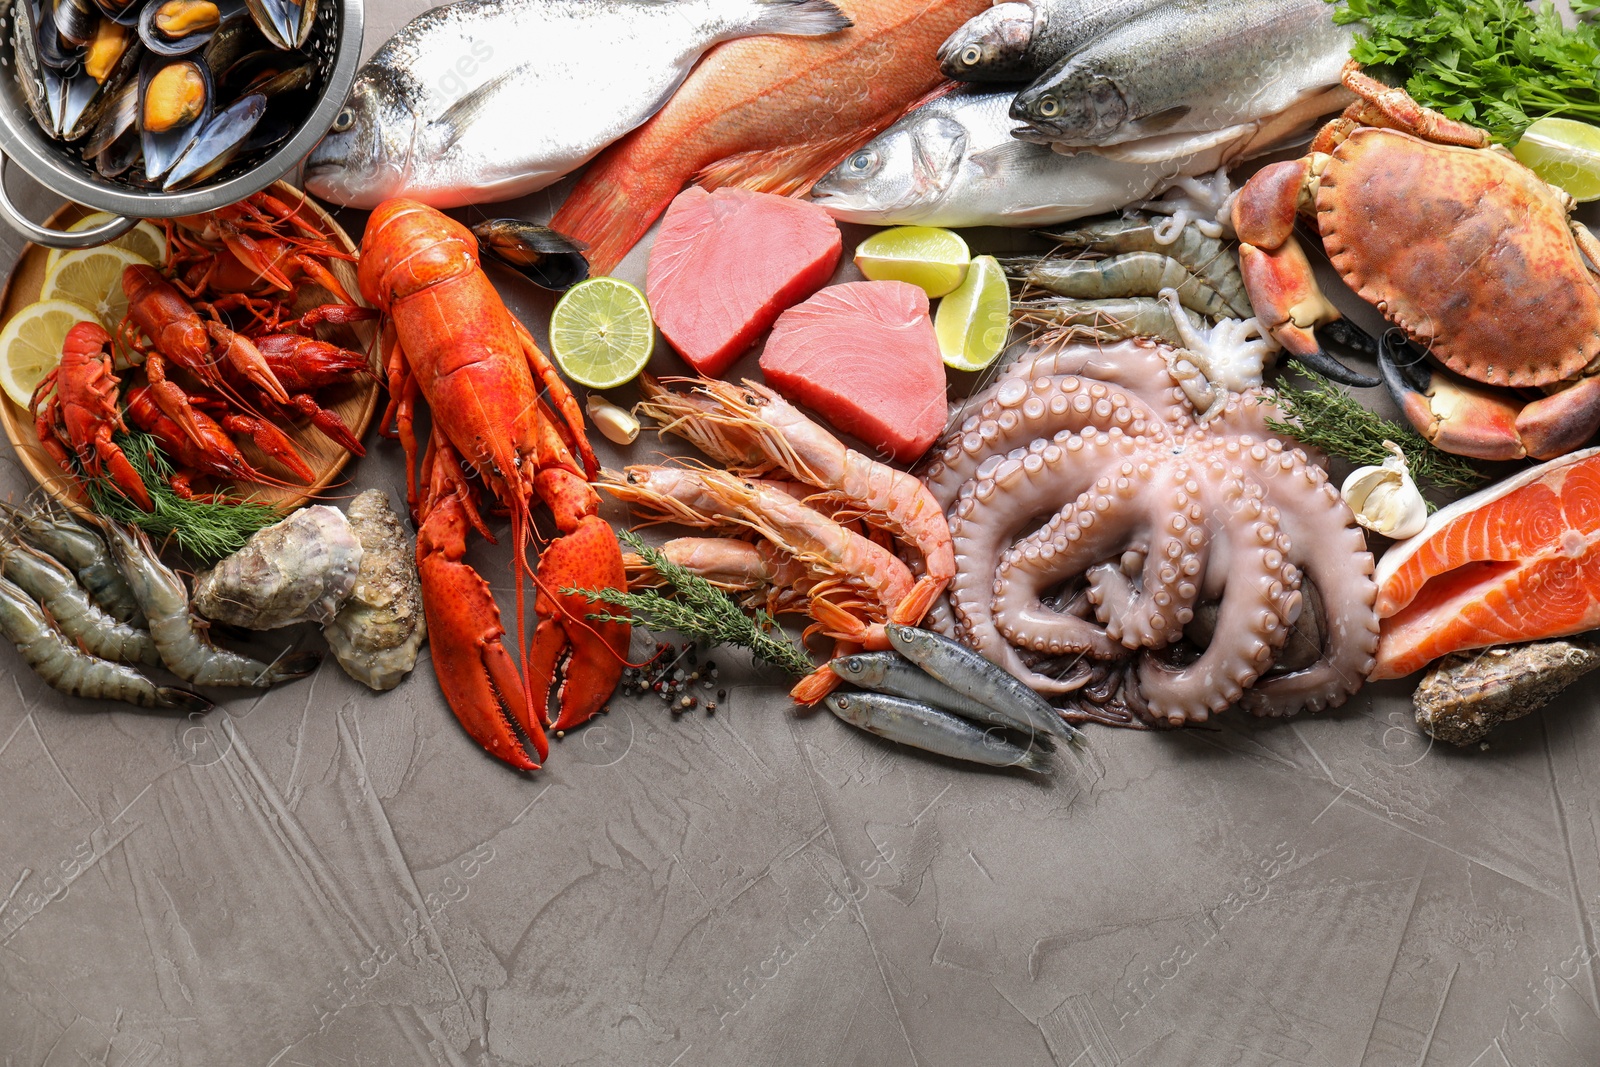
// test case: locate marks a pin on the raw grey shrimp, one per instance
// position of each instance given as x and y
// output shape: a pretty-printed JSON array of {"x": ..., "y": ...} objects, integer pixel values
[
  {"x": 69, "y": 669},
  {"x": 50, "y": 583},
  {"x": 51, "y": 528},
  {"x": 1205, "y": 257},
  {"x": 1123, "y": 275},
  {"x": 184, "y": 648}
]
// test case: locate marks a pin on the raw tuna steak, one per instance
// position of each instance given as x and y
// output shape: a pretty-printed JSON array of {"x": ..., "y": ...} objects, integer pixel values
[
  {"x": 864, "y": 355},
  {"x": 1519, "y": 561},
  {"x": 725, "y": 264}
]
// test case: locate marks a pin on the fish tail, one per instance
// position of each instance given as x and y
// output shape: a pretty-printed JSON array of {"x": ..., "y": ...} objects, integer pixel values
[
  {"x": 1035, "y": 758},
  {"x": 799, "y": 18},
  {"x": 614, "y": 204}
]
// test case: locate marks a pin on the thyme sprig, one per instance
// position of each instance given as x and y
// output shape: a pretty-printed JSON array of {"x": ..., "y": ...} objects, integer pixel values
[
  {"x": 699, "y": 611},
  {"x": 1327, "y": 417}
]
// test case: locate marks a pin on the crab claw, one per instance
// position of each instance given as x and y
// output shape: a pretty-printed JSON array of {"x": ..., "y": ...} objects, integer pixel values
[
  {"x": 1460, "y": 418},
  {"x": 1290, "y": 306},
  {"x": 475, "y": 671},
  {"x": 1562, "y": 421},
  {"x": 586, "y": 557}
]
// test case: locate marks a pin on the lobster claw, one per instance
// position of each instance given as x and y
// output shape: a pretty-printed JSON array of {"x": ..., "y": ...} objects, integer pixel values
[
  {"x": 586, "y": 557},
  {"x": 475, "y": 671}
]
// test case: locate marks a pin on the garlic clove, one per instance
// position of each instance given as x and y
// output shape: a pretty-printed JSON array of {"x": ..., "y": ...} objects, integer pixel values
[
  {"x": 1384, "y": 498},
  {"x": 616, "y": 424}
]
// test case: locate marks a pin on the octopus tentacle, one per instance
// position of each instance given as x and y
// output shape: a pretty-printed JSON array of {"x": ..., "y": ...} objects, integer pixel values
[{"x": 986, "y": 518}]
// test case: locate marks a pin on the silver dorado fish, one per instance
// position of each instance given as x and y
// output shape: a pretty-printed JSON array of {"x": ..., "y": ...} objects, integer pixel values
[
  {"x": 1019, "y": 40},
  {"x": 487, "y": 100},
  {"x": 1187, "y": 67},
  {"x": 953, "y": 162}
]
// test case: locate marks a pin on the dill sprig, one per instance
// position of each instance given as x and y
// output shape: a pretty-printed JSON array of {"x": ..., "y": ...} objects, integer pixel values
[
  {"x": 206, "y": 531},
  {"x": 1498, "y": 64},
  {"x": 1328, "y": 417},
  {"x": 699, "y": 611}
]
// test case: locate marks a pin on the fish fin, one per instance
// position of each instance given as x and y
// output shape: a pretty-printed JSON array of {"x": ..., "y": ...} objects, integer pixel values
[
  {"x": 1013, "y": 155},
  {"x": 1165, "y": 120},
  {"x": 793, "y": 169},
  {"x": 798, "y": 18},
  {"x": 460, "y": 116},
  {"x": 613, "y": 205},
  {"x": 1173, "y": 147}
]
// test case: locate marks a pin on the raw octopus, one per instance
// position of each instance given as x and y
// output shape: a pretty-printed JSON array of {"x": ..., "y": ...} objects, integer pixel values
[{"x": 1158, "y": 527}]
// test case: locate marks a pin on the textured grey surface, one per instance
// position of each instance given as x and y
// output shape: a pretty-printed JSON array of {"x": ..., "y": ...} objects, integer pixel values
[{"x": 325, "y": 876}]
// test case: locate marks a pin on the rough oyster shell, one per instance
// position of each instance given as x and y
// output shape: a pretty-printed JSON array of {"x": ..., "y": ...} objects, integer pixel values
[
  {"x": 301, "y": 570},
  {"x": 380, "y": 630}
]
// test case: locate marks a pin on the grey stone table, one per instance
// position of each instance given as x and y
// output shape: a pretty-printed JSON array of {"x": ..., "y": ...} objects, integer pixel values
[{"x": 324, "y": 876}]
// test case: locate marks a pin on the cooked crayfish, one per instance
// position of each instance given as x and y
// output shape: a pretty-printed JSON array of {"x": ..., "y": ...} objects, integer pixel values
[
  {"x": 448, "y": 339},
  {"x": 75, "y": 412}
]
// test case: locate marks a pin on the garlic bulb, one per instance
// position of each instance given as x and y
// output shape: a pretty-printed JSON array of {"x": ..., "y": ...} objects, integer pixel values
[
  {"x": 616, "y": 424},
  {"x": 1385, "y": 499}
]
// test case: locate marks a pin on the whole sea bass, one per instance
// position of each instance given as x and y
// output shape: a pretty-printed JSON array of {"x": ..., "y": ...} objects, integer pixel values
[
  {"x": 1185, "y": 67},
  {"x": 1019, "y": 40},
  {"x": 487, "y": 100},
  {"x": 953, "y": 162},
  {"x": 770, "y": 115}
]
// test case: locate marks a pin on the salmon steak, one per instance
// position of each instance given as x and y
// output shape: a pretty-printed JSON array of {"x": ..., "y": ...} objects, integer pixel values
[
  {"x": 726, "y": 264},
  {"x": 1518, "y": 561},
  {"x": 865, "y": 357}
]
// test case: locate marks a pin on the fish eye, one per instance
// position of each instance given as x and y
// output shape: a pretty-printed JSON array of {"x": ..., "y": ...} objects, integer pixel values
[
  {"x": 1049, "y": 107},
  {"x": 863, "y": 160},
  {"x": 971, "y": 54},
  {"x": 345, "y": 119},
  {"x": 853, "y": 663}
]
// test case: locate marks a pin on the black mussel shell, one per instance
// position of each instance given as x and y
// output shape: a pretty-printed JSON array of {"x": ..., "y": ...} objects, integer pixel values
[
  {"x": 35, "y": 80},
  {"x": 218, "y": 143},
  {"x": 286, "y": 23},
  {"x": 269, "y": 72},
  {"x": 88, "y": 101},
  {"x": 236, "y": 37},
  {"x": 47, "y": 45},
  {"x": 75, "y": 20},
  {"x": 548, "y": 259},
  {"x": 120, "y": 115}
]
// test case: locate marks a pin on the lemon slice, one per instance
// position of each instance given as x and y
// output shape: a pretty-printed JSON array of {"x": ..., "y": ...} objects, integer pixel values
[
  {"x": 601, "y": 333},
  {"x": 30, "y": 345},
  {"x": 973, "y": 323},
  {"x": 145, "y": 241},
  {"x": 93, "y": 277},
  {"x": 932, "y": 259},
  {"x": 1565, "y": 153}
]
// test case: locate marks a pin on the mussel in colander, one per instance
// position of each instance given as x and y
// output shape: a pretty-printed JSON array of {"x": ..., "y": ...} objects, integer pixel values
[
  {"x": 269, "y": 72},
  {"x": 218, "y": 143},
  {"x": 114, "y": 145},
  {"x": 103, "y": 54},
  {"x": 236, "y": 37},
  {"x": 34, "y": 79},
  {"x": 75, "y": 20},
  {"x": 48, "y": 46},
  {"x": 87, "y": 97},
  {"x": 286, "y": 23},
  {"x": 175, "y": 100},
  {"x": 178, "y": 27}
]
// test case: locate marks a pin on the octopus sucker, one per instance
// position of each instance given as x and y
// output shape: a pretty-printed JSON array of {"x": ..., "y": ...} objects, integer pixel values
[{"x": 1192, "y": 563}]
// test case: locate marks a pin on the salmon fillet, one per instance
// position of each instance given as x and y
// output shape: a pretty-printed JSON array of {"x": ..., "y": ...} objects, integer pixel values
[
  {"x": 771, "y": 114},
  {"x": 1519, "y": 561}
]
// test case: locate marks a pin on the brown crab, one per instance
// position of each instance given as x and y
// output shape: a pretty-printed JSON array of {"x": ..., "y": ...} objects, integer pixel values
[{"x": 1463, "y": 248}]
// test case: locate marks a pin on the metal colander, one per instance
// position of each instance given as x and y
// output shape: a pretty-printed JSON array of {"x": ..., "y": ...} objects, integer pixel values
[{"x": 335, "y": 45}]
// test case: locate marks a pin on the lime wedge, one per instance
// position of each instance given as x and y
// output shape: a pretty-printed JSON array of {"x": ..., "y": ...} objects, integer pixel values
[
  {"x": 932, "y": 259},
  {"x": 1565, "y": 153},
  {"x": 145, "y": 241},
  {"x": 30, "y": 345},
  {"x": 973, "y": 323},
  {"x": 601, "y": 333}
]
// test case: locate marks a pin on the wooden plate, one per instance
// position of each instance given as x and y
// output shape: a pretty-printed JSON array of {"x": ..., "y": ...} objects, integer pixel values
[{"x": 356, "y": 404}]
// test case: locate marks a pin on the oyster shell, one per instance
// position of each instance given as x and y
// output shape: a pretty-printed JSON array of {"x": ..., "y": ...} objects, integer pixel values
[
  {"x": 301, "y": 570},
  {"x": 380, "y": 630}
]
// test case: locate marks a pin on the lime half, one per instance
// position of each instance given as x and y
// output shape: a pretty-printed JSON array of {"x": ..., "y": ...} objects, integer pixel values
[
  {"x": 145, "y": 241},
  {"x": 601, "y": 333},
  {"x": 932, "y": 259},
  {"x": 974, "y": 322},
  {"x": 1565, "y": 153}
]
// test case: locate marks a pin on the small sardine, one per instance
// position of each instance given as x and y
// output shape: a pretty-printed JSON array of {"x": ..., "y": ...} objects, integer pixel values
[
  {"x": 953, "y": 162},
  {"x": 486, "y": 100},
  {"x": 933, "y": 730},
  {"x": 1017, "y": 42},
  {"x": 892, "y": 673},
  {"x": 1187, "y": 67},
  {"x": 969, "y": 674}
]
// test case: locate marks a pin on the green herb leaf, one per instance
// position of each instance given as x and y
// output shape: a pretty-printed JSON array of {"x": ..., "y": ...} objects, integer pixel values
[
  {"x": 1499, "y": 64},
  {"x": 700, "y": 611}
]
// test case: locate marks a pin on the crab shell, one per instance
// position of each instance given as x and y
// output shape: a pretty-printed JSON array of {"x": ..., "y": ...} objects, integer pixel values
[{"x": 1464, "y": 249}]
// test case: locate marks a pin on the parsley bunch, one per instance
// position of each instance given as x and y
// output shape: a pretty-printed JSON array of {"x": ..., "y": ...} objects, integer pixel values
[{"x": 1498, "y": 64}]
